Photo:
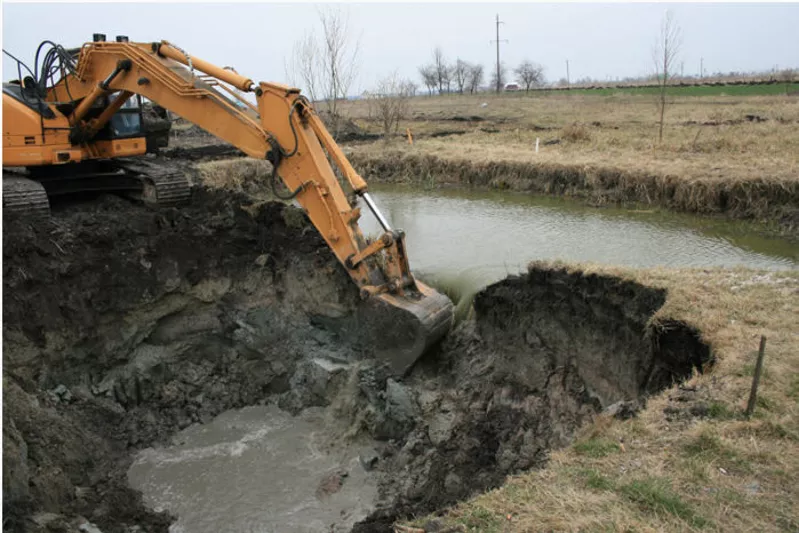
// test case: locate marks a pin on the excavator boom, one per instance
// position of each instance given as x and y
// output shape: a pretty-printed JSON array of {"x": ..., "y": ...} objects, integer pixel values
[{"x": 283, "y": 128}]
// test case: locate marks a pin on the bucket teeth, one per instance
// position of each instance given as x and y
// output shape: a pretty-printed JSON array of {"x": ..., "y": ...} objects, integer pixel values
[{"x": 401, "y": 328}]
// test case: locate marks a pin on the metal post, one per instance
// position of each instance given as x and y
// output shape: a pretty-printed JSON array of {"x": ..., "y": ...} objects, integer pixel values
[
  {"x": 498, "y": 63},
  {"x": 568, "y": 79},
  {"x": 498, "y": 74}
]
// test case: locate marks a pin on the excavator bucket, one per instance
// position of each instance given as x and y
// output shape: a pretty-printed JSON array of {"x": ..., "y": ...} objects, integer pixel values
[{"x": 400, "y": 328}]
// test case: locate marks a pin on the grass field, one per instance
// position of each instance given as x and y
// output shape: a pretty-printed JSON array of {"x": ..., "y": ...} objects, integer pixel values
[{"x": 714, "y": 147}]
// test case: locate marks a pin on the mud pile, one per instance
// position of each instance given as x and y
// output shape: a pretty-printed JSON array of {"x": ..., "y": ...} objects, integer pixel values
[{"x": 124, "y": 324}]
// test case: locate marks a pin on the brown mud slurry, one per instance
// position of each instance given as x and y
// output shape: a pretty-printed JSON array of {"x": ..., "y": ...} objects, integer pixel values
[{"x": 123, "y": 324}]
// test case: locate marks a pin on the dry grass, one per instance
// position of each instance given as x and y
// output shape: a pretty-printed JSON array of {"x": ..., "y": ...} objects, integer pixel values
[
  {"x": 622, "y": 133},
  {"x": 575, "y": 133},
  {"x": 719, "y": 472},
  {"x": 709, "y": 144},
  {"x": 236, "y": 174}
]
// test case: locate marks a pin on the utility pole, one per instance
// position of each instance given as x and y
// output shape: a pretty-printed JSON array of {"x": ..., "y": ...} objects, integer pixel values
[
  {"x": 568, "y": 80},
  {"x": 701, "y": 67},
  {"x": 499, "y": 81}
]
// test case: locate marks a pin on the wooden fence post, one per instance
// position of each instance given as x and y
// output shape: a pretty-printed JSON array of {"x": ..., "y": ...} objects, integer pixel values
[{"x": 750, "y": 407}]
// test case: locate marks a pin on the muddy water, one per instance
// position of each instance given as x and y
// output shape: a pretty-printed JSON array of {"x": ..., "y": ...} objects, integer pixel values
[
  {"x": 257, "y": 470},
  {"x": 473, "y": 238}
]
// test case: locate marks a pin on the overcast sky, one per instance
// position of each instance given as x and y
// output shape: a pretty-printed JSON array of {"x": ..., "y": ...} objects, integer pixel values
[{"x": 599, "y": 40}]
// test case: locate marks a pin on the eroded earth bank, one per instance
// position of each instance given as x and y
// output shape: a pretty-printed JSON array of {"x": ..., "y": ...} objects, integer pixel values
[{"x": 124, "y": 324}]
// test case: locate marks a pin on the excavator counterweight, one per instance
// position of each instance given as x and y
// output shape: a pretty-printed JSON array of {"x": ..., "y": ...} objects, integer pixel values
[{"x": 58, "y": 129}]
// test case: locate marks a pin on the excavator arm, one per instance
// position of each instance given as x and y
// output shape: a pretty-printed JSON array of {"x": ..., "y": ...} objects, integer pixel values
[{"x": 405, "y": 316}]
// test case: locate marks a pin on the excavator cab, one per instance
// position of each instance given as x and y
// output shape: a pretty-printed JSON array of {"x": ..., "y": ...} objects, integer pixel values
[{"x": 125, "y": 123}]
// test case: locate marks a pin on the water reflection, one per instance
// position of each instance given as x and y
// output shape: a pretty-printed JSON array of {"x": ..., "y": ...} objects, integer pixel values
[{"x": 482, "y": 236}]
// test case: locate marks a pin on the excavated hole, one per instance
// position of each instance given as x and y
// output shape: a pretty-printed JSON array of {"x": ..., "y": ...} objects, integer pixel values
[{"x": 123, "y": 326}]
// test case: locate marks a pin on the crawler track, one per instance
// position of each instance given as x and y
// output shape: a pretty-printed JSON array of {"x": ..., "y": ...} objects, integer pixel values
[
  {"x": 25, "y": 197},
  {"x": 161, "y": 185},
  {"x": 27, "y": 193}
]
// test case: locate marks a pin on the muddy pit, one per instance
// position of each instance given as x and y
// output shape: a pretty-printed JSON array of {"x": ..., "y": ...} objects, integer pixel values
[{"x": 126, "y": 326}]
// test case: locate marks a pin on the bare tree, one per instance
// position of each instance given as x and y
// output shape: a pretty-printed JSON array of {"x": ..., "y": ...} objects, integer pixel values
[
  {"x": 475, "y": 78},
  {"x": 390, "y": 100},
  {"x": 664, "y": 55},
  {"x": 326, "y": 64},
  {"x": 412, "y": 87},
  {"x": 529, "y": 74},
  {"x": 302, "y": 68},
  {"x": 448, "y": 74},
  {"x": 442, "y": 69},
  {"x": 460, "y": 73},
  {"x": 429, "y": 77},
  {"x": 340, "y": 59},
  {"x": 503, "y": 76}
]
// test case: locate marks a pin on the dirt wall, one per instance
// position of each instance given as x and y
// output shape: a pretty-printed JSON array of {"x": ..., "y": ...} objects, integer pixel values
[{"x": 545, "y": 353}]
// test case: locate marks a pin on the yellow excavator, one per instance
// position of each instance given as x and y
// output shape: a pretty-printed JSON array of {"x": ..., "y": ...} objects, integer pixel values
[{"x": 74, "y": 124}]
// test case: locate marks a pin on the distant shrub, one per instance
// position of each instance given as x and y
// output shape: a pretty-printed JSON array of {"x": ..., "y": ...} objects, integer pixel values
[{"x": 575, "y": 133}]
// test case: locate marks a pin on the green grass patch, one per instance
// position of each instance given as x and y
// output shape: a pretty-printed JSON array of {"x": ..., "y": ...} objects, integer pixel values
[
  {"x": 654, "y": 495},
  {"x": 707, "y": 447},
  {"x": 696, "y": 468},
  {"x": 477, "y": 518},
  {"x": 595, "y": 447},
  {"x": 793, "y": 388},
  {"x": 764, "y": 402},
  {"x": 719, "y": 411},
  {"x": 595, "y": 480}
]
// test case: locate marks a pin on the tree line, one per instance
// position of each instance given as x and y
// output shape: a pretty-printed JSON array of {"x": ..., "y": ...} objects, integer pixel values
[{"x": 461, "y": 76}]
